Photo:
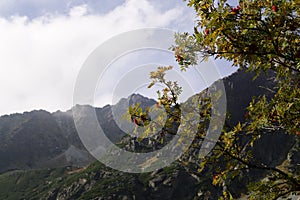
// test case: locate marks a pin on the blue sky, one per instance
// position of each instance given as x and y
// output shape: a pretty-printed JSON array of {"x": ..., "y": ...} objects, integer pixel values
[
  {"x": 44, "y": 43},
  {"x": 36, "y": 8}
]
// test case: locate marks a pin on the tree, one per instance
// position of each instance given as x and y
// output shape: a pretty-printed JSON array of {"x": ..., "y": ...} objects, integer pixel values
[{"x": 259, "y": 36}]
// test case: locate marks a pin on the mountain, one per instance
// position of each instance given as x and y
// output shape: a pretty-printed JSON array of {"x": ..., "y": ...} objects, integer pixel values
[
  {"x": 40, "y": 139},
  {"x": 55, "y": 165}
]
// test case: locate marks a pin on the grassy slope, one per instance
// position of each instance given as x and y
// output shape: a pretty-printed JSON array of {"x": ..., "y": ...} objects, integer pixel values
[{"x": 36, "y": 184}]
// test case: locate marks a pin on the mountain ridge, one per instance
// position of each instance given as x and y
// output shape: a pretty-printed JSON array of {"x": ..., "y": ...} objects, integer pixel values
[
  {"x": 41, "y": 139},
  {"x": 99, "y": 182}
]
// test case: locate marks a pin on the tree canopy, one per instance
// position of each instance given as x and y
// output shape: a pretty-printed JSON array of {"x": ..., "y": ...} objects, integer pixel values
[{"x": 260, "y": 36}]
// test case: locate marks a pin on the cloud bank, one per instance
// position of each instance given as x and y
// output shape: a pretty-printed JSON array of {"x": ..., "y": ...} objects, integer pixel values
[{"x": 40, "y": 57}]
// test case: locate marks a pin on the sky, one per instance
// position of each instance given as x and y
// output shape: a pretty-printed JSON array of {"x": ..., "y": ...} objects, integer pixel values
[{"x": 44, "y": 43}]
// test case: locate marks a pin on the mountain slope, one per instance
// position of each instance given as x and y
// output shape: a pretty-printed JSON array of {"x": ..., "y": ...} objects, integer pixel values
[
  {"x": 40, "y": 139},
  {"x": 97, "y": 181},
  {"x": 100, "y": 182}
]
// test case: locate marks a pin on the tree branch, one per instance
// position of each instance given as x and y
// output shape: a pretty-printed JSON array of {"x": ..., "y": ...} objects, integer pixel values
[{"x": 287, "y": 176}]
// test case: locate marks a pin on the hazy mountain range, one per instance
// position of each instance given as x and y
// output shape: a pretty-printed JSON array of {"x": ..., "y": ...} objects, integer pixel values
[
  {"x": 40, "y": 139},
  {"x": 49, "y": 142}
]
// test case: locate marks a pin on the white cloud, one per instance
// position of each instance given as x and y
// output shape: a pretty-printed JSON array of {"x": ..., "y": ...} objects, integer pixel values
[
  {"x": 40, "y": 58},
  {"x": 79, "y": 11}
]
